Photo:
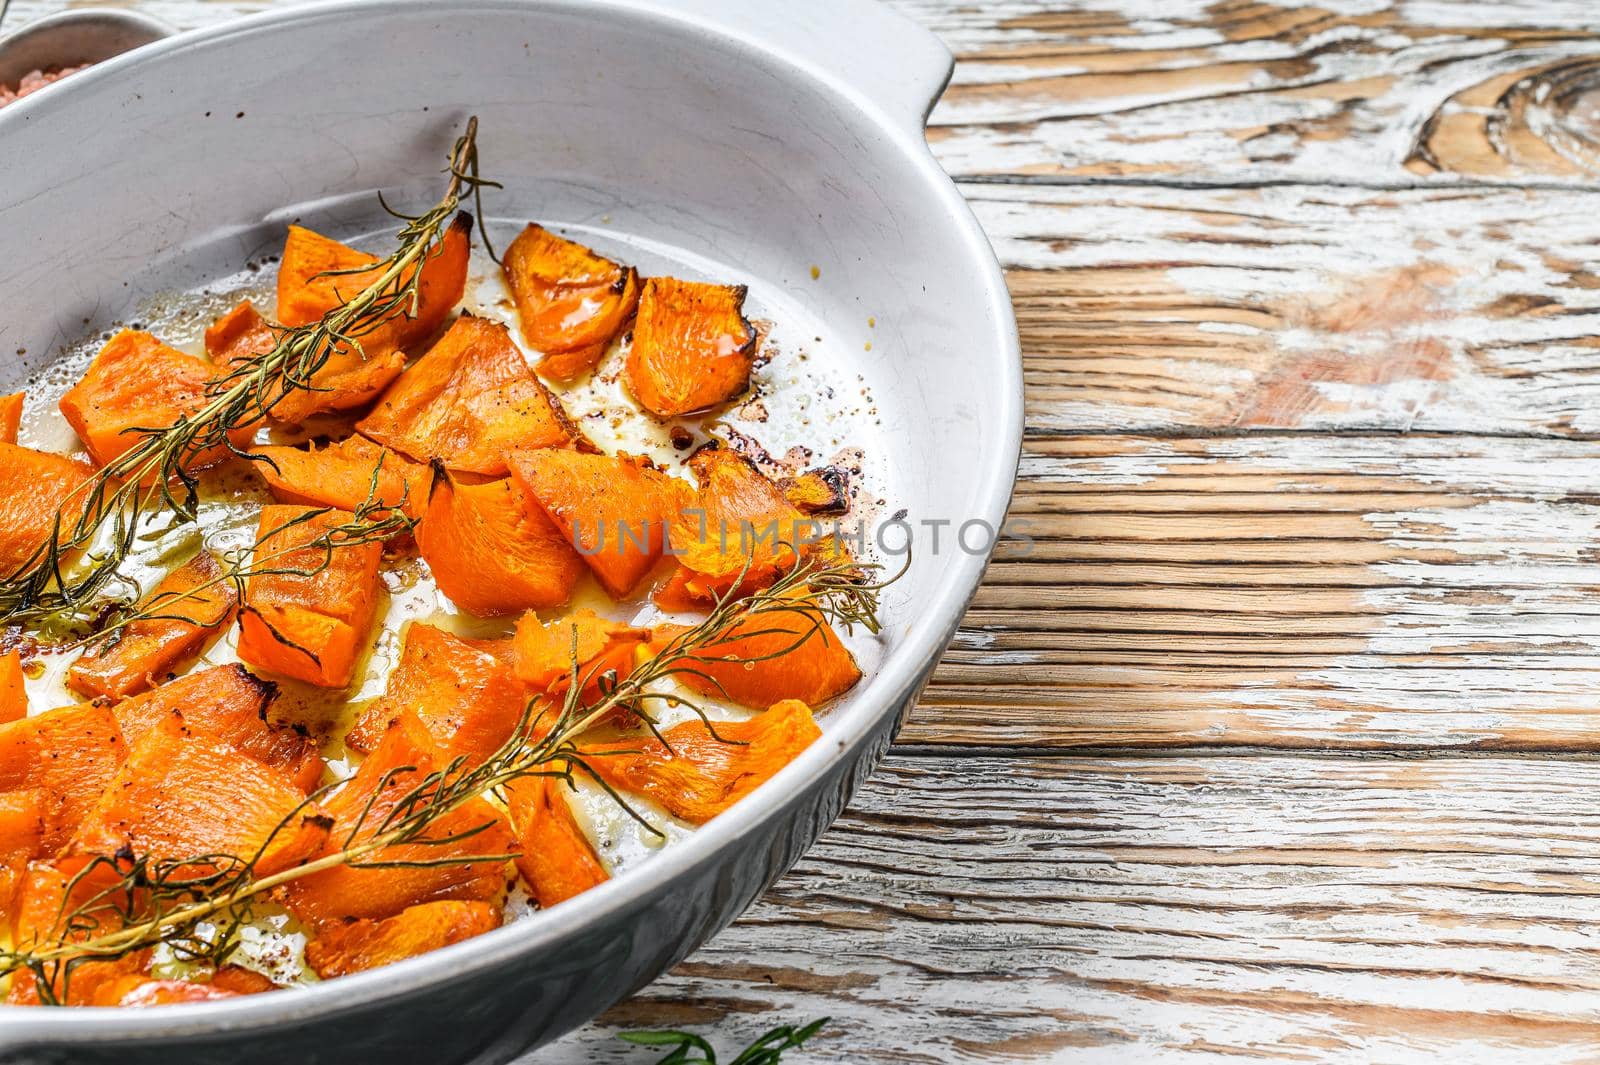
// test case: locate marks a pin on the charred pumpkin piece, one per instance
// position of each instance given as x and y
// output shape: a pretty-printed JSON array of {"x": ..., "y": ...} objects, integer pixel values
[
  {"x": 70, "y": 754},
  {"x": 11, "y": 416},
  {"x": 547, "y": 650},
  {"x": 229, "y": 705},
  {"x": 692, "y": 348},
  {"x": 47, "y": 892},
  {"x": 399, "y": 765},
  {"x": 492, "y": 550},
  {"x": 701, "y": 775},
  {"x": 571, "y": 301},
  {"x": 139, "y": 991},
  {"x": 311, "y": 282},
  {"x": 739, "y": 525},
  {"x": 341, "y": 474},
  {"x": 188, "y": 610},
  {"x": 138, "y": 382},
  {"x": 468, "y": 400},
  {"x": 615, "y": 509},
  {"x": 820, "y": 491},
  {"x": 34, "y": 487},
  {"x": 310, "y": 615},
  {"x": 770, "y": 656},
  {"x": 463, "y": 691},
  {"x": 239, "y": 336},
  {"x": 13, "y": 692},
  {"x": 341, "y": 949},
  {"x": 183, "y": 794},
  {"x": 557, "y": 861}
]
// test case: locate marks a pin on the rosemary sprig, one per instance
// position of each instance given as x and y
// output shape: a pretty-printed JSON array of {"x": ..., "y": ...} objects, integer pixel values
[
  {"x": 199, "y": 903},
  {"x": 690, "y": 1049},
  {"x": 101, "y": 521}
]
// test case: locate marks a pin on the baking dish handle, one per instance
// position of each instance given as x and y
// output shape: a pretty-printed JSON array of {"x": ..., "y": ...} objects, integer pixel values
[{"x": 897, "y": 64}]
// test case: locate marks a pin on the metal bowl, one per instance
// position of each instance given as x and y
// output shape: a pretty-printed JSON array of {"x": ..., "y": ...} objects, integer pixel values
[
  {"x": 769, "y": 136},
  {"x": 73, "y": 38}
]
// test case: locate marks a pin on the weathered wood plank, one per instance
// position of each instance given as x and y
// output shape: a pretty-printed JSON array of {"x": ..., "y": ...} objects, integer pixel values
[
  {"x": 1282, "y": 908},
  {"x": 1152, "y": 309},
  {"x": 1387, "y": 92},
  {"x": 1293, "y": 590}
]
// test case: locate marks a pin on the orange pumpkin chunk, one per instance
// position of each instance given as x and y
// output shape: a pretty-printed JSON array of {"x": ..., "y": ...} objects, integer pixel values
[
  {"x": 400, "y": 765},
  {"x": 466, "y": 401},
  {"x": 138, "y": 382},
  {"x": 557, "y": 860},
  {"x": 47, "y": 891},
  {"x": 312, "y": 282},
  {"x": 571, "y": 301},
  {"x": 739, "y": 524},
  {"x": 463, "y": 691},
  {"x": 615, "y": 509},
  {"x": 183, "y": 794},
  {"x": 492, "y": 550},
  {"x": 70, "y": 754},
  {"x": 187, "y": 610},
  {"x": 229, "y": 705},
  {"x": 11, "y": 416},
  {"x": 310, "y": 616},
  {"x": 692, "y": 348},
  {"x": 701, "y": 775},
  {"x": 22, "y": 828},
  {"x": 239, "y": 336},
  {"x": 546, "y": 650},
  {"x": 13, "y": 692},
  {"x": 341, "y": 475},
  {"x": 341, "y": 949},
  {"x": 139, "y": 991},
  {"x": 34, "y": 487}
]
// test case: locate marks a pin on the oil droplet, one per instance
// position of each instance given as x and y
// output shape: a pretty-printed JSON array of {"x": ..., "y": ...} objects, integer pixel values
[
  {"x": 872, "y": 323},
  {"x": 816, "y": 272},
  {"x": 869, "y": 345}
]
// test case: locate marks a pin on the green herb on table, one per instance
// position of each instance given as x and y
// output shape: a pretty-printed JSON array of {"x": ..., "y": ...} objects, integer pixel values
[{"x": 768, "y": 1050}]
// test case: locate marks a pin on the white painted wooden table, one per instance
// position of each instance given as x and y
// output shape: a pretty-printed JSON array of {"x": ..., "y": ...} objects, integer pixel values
[{"x": 1280, "y": 743}]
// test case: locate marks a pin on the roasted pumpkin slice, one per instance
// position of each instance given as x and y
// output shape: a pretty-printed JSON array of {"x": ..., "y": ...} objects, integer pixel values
[
  {"x": 468, "y": 400},
  {"x": 546, "y": 651},
  {"x": 227, "y": 704},
  {"x": 825, "y": 490},
  {"x": 36, "y": 486},
  {"x": 138, "y": 991},
  {"x": 464, "y": 691},
  {"x": 739, "y": 526},
  {"x": 389, "y": 777},
  {"x": 13, "y": 689},
  {"x": 185, "y": 612},
  {"x": 341, "y": 949},
  {"x": 556, "y": 859},
  {"x": 137, "y": 382},
  {"x": 571, "y": 301},
  {"x": 11, "y": 416},
  {"x": 692, "y": 348},
  {"x": 22, "y": 828},
  {"x": 183, "y": 794},
  {"x": 67, "y": 901},
  {"x": 239, "y": 336},
  {"x": 615, "y": 509},
  {"x": 700, "y": 775},
  {"x": 492, "y": 550},
  {"x": 772, "y": 654},
  {"x": 70, "y": 754},
  {"x": 310, "y": 602},
  {"x": 318, "y": 274},
  {"x": 341, "y": 475}
]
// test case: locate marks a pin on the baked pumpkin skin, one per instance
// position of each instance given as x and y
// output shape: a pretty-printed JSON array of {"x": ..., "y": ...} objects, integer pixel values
[
  {"x": 571, "y": 302},
  {"x": 137, "y": 382},
  {"x": 692, "y": 348},
  {"x": 467, "y": 401},
  {"x": 492, "y": 550},
  {"x": 309, "y": 616},
  {"x": 616, "y": 509},
  {"x": 318, "y": 274},
  {"x": 189, "y": 608}
]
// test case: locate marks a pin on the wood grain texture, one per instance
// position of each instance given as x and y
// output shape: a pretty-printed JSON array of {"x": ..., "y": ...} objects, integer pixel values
[
  {"x": 1146, "y": 910},
  {"x": 1375, "y": 93}
]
